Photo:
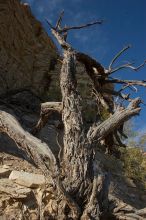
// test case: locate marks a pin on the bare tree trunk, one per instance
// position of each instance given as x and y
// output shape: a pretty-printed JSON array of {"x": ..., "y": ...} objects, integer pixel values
[{"x": 77, "y": 157}]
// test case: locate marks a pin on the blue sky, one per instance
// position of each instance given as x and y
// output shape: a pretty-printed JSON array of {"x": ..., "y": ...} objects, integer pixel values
[{"x": 125, "y": 23}]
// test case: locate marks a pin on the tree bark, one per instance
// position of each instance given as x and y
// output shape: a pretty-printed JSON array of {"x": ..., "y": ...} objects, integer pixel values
[{"x": 77, "y": 157}]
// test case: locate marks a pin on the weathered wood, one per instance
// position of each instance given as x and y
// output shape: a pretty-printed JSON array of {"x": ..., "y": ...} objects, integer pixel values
[
  {"x": 78, "y": 156},
  {"x": 74, "y": 136},
  {"x": 37, "y": 150},
  {"x": 47, "y": 109},
  {"x": 129, "y": 82},
  {"x": 51, "y": 106},
  {"x": 117, "y": 56},
  {"x": 121, "y": 115},
  {"x": 65, "y": 29}
]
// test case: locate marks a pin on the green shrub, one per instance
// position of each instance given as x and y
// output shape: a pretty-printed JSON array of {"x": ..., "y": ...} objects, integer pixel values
[{"x": 134, "y": 164}]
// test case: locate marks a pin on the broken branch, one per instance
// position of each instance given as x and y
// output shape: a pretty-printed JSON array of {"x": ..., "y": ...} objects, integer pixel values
[{"x": 112, "y": 123}]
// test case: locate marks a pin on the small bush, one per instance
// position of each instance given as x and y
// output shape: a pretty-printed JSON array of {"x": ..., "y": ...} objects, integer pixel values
[{"x": 134, "y": 164}]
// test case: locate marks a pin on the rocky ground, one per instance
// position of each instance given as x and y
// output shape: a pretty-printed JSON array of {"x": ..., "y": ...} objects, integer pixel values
[
  {"x": 19, "y": 182},
  {"x": 25, "y": 193}
]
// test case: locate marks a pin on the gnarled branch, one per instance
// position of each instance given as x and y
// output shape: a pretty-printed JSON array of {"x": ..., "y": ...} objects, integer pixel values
[
  {"x": 112, "y": 123},
  {"x": 65, "y": 29},
  {"x": 47, "y": 109},
  {"x": 117, "y": 56},
  {"x": 129, "y": 82},
  {"x": 111, "y": 70},
  {"x": 128, "y": 65},
  {"x": 58, "y": 23},
  {"x": 37, "y": 150}
]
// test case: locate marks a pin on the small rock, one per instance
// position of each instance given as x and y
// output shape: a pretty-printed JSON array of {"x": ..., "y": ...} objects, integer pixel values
[{"x": 27, "y": 179}]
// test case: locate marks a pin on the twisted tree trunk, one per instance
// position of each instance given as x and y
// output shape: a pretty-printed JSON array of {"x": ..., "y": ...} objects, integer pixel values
[{"x": 77, "y": 156}]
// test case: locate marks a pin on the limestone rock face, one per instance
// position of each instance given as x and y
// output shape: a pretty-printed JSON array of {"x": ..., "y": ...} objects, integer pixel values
[{"x": 26, "y": 51}]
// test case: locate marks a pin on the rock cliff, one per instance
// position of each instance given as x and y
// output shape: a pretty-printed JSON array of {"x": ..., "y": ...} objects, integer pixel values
[{"x": 26, "y": 51}]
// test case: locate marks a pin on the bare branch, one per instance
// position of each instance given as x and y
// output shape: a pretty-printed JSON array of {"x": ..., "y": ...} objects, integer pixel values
[
  {"x": 112, "y": 123},
  {"x": 61, "y": 40},
  {"x": 51, "y": 106},
  {"x": 115, "y": 93},
  {"x": 50, "y": 25},
  {"x": 129, "y": 82},
  {"x": 118, "y": 140},
  {"x": 65, "y": 29},
  {"x": 117, "y": 56},
  {"x": 61, "y": 34},
  {"x": 128, "y": 65},
  {"x": 58, "y": 23}
]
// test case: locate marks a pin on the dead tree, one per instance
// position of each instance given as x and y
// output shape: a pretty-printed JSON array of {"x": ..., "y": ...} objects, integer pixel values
[{"x": 80, "y": 183}]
